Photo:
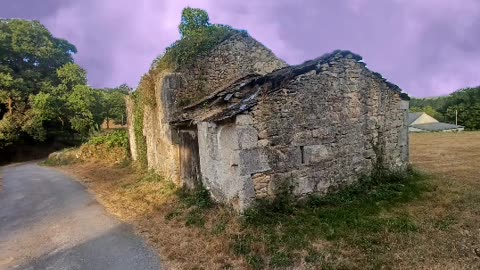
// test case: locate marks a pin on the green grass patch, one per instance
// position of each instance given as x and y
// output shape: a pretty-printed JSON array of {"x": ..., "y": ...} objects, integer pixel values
[
  {"x": 193, "y": 207},
  {"x": 284, "y": 226},
  {"x": 152, "y": 177}
]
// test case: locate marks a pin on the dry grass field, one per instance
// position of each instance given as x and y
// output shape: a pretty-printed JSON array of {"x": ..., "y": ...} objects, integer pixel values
[
  {"x": 450, "y": 214},
  {"x": 398, "y": 226}
]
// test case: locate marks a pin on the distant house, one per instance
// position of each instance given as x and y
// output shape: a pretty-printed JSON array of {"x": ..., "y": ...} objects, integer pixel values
[{"x": 422, "y": 122}]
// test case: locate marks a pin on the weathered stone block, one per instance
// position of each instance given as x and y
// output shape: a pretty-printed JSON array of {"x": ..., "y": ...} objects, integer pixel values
[
  {"x": 303, "y": 185},
  {"x": 263, "y": 143},
  {"x": 315, "y": 153},
  {"x": 404, "y": 105},
  {"x": 244, "y": 119},
  {"x": 253, "y": 161},
  {"x": 247, "y": 137}
]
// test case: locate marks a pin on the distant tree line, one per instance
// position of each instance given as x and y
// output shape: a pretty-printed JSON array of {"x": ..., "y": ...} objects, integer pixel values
[
  {"x": 44, "y": 95},
  {"x": 465, "y": 103}
]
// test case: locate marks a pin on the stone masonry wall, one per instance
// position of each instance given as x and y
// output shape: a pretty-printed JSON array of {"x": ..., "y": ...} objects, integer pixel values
[
  {"x": 233, "y": 59},
  {"x": 320, "y": 132},
  {"x": 228, "y": 158},
  {"x": 130, "y": 123},
  {"x": 236, "y": 57},
  {"x": 162, "y": 149}
]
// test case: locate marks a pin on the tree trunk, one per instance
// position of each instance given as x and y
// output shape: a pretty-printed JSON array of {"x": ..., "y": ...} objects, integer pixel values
[
  {"x": 108, "y": 123},
  {"x": 61, "y": 121},
  {"x": 10, "y": 106}
]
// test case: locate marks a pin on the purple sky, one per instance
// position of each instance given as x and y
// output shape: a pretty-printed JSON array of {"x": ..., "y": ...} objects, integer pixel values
[{"x": 427, "y": 47}]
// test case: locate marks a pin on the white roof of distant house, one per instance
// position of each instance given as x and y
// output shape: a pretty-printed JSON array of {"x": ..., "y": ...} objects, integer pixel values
[
  {"x": 420, "y": 121},
  {"x": 420, "y": 118}
]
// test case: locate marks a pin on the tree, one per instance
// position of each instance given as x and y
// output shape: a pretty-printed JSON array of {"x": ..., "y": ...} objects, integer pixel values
[
  {"x": 29, "y": 58},
  {"x": 29, "y": 55},
  {"x": 72, "y": 74},
  {"x": 114, "y": 104},
  {"x": 71, "y": 105},
  {"x": 193, "y": 20},
  {"x": 85, "y": 106}
]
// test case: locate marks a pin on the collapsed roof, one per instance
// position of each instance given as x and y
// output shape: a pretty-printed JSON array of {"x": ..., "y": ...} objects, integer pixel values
[{"x": 244, "y": 93}]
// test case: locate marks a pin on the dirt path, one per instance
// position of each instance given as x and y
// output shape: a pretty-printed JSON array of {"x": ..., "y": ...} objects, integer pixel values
[{"x": 49, "y": 221}]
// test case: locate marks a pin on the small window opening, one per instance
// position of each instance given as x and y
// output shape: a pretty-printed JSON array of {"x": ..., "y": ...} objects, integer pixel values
[{"x": 302, "y": 154}]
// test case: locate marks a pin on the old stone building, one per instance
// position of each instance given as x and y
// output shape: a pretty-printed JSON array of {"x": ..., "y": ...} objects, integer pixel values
[{"x": 257, "y": 124}]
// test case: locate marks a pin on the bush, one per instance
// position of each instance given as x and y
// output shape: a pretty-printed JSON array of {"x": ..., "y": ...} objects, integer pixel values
[
  {"x": 61, "y": 158},
  {"x": 117, "y": 138}
]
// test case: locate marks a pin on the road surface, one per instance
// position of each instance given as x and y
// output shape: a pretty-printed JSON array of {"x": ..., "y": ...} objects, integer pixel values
[{"x": 49, "y": 221}]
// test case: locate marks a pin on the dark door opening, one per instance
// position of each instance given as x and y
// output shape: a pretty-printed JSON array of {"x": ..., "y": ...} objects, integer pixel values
[{"x": 189, "y": 158}]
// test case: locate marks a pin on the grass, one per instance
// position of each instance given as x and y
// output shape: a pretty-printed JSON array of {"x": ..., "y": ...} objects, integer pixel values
[
  {"x": 280, "y": 231},
  {"x": 407, "y": 222}
]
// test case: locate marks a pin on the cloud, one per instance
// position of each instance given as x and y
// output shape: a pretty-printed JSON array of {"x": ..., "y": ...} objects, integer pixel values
[{"x": 427, "y": 47}]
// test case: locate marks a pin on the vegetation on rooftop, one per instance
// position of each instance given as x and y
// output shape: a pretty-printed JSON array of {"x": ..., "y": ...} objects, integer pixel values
[{"x": 198, "y": 37}]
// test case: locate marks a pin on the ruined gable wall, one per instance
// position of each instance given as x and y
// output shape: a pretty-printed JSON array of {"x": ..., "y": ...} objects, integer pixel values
[
  {"x": 131, "y": 132},
  {"x": 236, "y": 57},
  {"x": 319, "y": 131},
  {"x": 233, "y": 59},
  {"x": 161, "y": 139}
]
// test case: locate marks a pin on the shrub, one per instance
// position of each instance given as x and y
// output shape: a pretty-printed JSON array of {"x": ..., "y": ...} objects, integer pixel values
[{"x": 118, "y": 138}]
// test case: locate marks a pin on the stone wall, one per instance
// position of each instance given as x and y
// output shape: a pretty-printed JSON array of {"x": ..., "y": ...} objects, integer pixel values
[
  {"x": 130, "y": 105},
  {"x": 162, "y": 149},
  {"x": 323, "y": 131},
  {"x": 236, "y": 57},
  {"x": 228, "y": 158},
  {"x": 317, "y": 126}
]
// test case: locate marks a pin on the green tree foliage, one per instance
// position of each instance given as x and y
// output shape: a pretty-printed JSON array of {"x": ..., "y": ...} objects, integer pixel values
[
  {"x": 85, "y": 109},
  {"x": 463, "y": 105},
  {"x": 72, "y": 74},
  {"x": 29, "y": 56},
  {"x": 198, "y": 36},
  {"x": 43, "y": 94},
  {"x": 69, "y": 106},
  {"x": 193, "y": 20},
  {"x": 114, "y": 104}
]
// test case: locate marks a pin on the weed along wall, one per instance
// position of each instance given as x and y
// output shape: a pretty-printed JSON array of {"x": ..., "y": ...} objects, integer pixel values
[{"x": 243, "y": 124}]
